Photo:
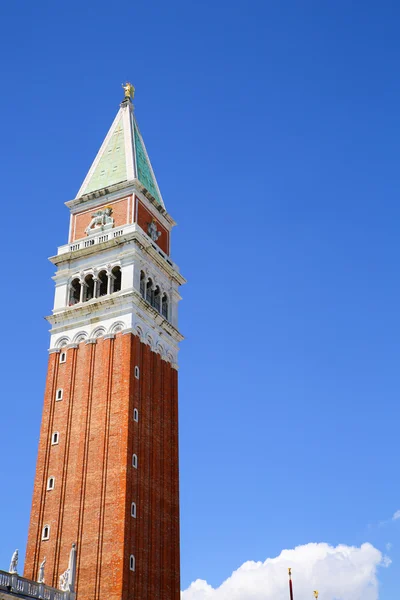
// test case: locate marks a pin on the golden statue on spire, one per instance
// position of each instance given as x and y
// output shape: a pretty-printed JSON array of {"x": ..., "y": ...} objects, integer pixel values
[
  {"x": 316, "y": 594},
  {"x": 129, "y": 90}
]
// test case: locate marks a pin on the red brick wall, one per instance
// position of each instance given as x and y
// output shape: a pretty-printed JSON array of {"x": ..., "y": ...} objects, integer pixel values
[
  {"x": 144, "y": 217},
  {"x": 122, "y": 215},
  {"x": 95, "y": 481}
]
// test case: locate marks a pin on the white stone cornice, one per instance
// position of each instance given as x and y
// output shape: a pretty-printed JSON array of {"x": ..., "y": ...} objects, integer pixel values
[
  {"x": 128, "y": 330},
  {"x": 147, "y": 333},
  {"x": 107, "y": 194},
  {"x": 120, "y": 303}
]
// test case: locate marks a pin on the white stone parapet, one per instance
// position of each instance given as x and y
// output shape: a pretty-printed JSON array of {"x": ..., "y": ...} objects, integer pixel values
[
  {"x": 15, "y": 586},
  {"x": 99, "y": 237},
  {"x": 102, "y": 237}
]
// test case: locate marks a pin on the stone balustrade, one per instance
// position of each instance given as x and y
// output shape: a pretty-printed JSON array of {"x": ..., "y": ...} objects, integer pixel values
[
  {"x": 15, "y": 586},
  {"x": 101, "y": 237},
  {"x": 94, "y": 239}
]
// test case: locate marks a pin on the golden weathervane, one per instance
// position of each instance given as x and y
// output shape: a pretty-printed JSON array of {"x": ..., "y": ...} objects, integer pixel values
[
  {"x": 129, "y": 90},
  {"x": 316, "y": 594}
]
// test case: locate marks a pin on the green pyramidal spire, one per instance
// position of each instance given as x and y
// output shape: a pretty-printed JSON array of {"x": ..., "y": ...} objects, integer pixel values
[{"x": 122, "y": 156}]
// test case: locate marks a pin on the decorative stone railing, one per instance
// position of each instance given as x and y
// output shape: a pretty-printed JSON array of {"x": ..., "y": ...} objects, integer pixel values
[
  {"x": 19, "y": 587},
  {"x": 106, "y": 236},
  {"x": 94, "y": 239}
]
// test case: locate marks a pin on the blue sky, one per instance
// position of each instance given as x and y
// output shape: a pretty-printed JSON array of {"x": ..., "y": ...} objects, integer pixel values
[{"x": 274, "y": 132}]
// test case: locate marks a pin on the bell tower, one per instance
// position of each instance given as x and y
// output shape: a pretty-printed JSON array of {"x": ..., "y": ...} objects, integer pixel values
[{"x": 107, "y": 476}]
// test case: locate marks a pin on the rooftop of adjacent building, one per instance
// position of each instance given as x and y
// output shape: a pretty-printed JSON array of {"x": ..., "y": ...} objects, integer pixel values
[{"x": 13, "y": 585}]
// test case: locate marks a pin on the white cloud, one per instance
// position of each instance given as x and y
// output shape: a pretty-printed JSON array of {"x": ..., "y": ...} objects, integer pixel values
[
  {"x": 340, "y": 573},
  {"x": 396, "y": 515}
]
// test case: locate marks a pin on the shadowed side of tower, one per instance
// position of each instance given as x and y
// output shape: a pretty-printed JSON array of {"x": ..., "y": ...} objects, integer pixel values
[{"x": 107, "y": 474}]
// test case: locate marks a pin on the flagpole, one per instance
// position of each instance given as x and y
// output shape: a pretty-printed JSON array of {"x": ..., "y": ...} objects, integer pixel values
[{"x": 290, "y": 584}]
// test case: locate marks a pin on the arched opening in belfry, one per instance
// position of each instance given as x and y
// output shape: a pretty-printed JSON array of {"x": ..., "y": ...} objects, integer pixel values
[
  {"x": 164, "y": 306},
  {"x": 142, "y": 284},
  {"x": 74, "y": 292},
  {"x": 157, "y": 299},
  {"x": 149, "y": 292},
  {"x": 89, "y": 288},
  {"x": 116, "y": 272},
  {"x": 102, "y": 283}
]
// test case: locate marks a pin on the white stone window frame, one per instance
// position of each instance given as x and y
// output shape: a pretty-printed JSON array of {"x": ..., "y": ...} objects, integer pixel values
[
  {"x": 132, "y": 563},
  {"x": 134, "y": 461},
  {"x": 137, "y": 372},
  {"x": 133, "y": 510},
  {"x": 136, "y": 415},
  {"x": 59, "y": 394},
  {"x": 55, "y": 438},
  {"x": 46, "y": 532},
  {"x": 51, "y": 483},
  {"x": 63, "y": 357}
]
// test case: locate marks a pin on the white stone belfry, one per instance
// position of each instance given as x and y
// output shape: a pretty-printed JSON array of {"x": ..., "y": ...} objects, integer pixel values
[{"x": 115, "y": 274}]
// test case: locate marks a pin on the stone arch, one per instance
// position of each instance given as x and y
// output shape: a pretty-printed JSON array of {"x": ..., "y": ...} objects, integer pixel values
[
  {"x": 160, "y": 350},
  {"x": 80, "y": 337},
  {"x": 139, "y": 332},
  {"x": 63, "y": 341},
  {"x": 165, "y": 306},
  {"x": 98, "y": 332},
  {"x": 117, "y": 327},
  {"x": 74, "y": 291},
  {"x": 116, "y": 275},
  {"x": 102, "y": 283},
  {"x": 149, "y": 341}
]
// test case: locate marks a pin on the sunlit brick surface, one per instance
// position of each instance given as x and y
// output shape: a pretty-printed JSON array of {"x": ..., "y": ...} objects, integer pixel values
[{"x": 95, "y": 482}]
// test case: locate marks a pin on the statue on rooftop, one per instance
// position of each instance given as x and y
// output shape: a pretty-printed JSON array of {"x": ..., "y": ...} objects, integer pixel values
[
  {"x": 14, "y": 563},
  {"x": 129, "y": 90},
  {"x": 41, "y": 571},
  {"x": 64, "y": 581}
]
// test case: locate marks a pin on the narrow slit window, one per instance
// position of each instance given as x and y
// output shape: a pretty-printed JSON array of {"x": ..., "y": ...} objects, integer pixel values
[
  {"x": 135, "y": 415},
  {"x": 164, "y": 306},
  {"x": 137, "y": 372},
  {"x": 150, "y": 292},
  {"x": 157, "y": 299},
  {"x": 88, "y": 289},
  {"x": 102, "y": 283},
  {"x": 59, "y": 394},
  {"x": 132, "y": 562},
  {"x": 134, "y": 461},
  {"x": 142, "y": 284},
  {"x": 63, "y": 357},
  {"x": 133, "y": 510},
  {"x": 50, "y": 483},
  {"x": 46, "y": 532},
  {"x": 74, "y": 292},
  {"x": 54, "y": 438},
  {"x": 116, "y": 272}
]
